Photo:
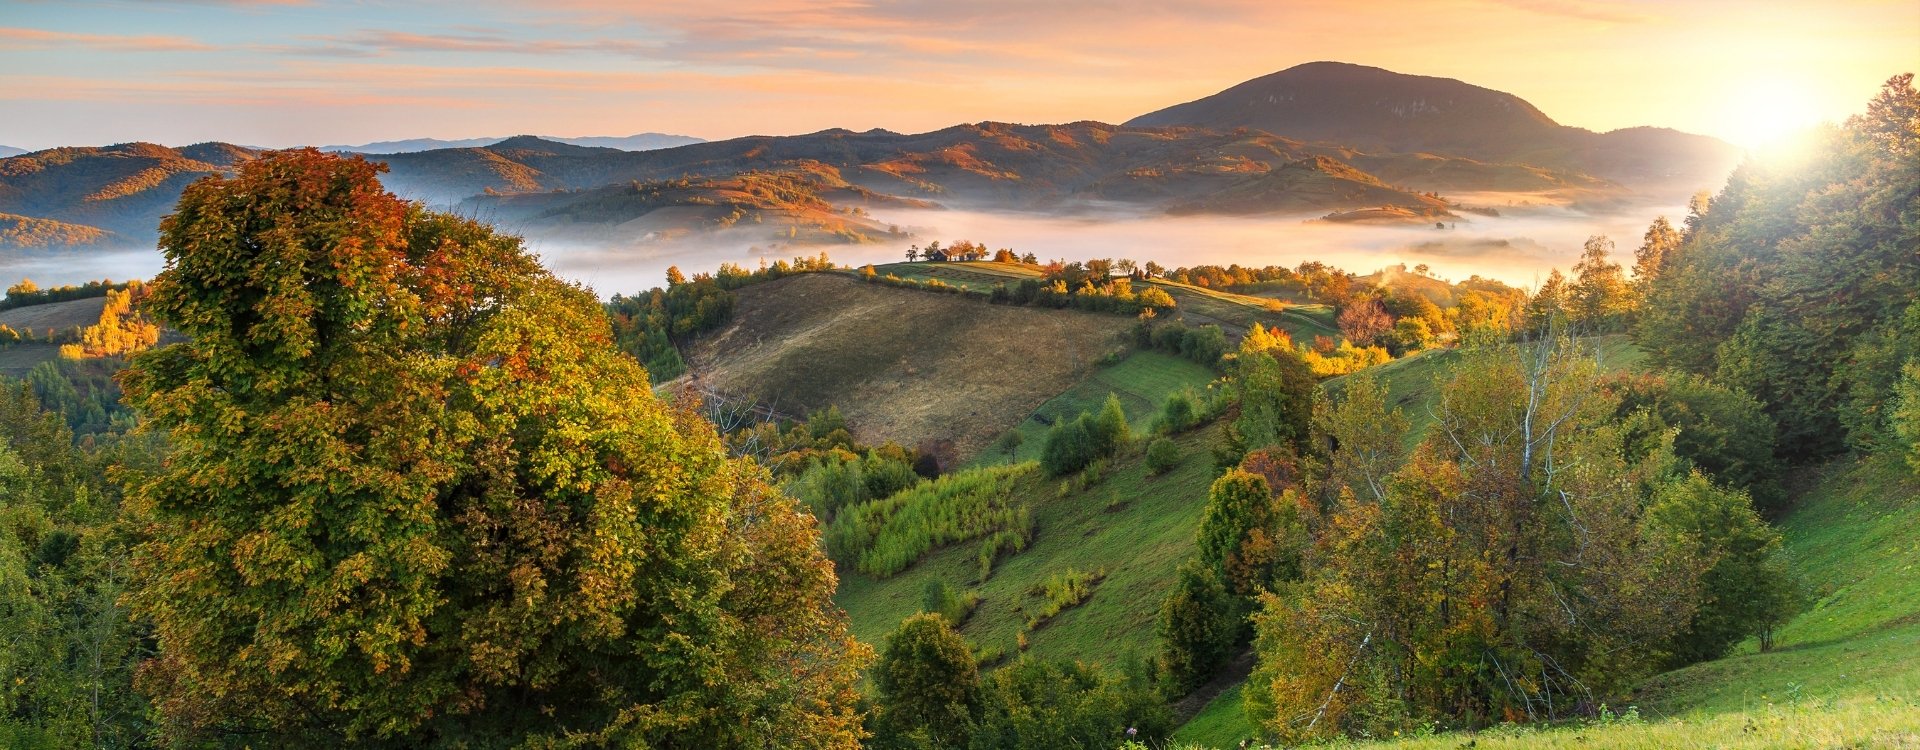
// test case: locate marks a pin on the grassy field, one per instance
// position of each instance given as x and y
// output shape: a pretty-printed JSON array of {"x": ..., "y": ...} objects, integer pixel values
[
  {"x": 902, "y": 365},
  {"x": 1133, "y": 527},
  {"x": 1235, "y": 312},
  {"x": 1142, "y": 381},
  {"x": 1193, "y": 304},
  {"x": 1846, "y": 673}
]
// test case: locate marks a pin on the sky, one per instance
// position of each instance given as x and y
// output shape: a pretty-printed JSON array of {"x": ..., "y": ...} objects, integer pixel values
[{"x": 292, "y": 72}]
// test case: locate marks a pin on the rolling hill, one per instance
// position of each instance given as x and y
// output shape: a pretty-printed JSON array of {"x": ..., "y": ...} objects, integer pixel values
[
  {"x": 805, "y": 203},
  {"x": 984, "y": 165},
  {"x": 101, "y": 194},
  {"x": 1379, "y": 110},
  {"x": 637, "y": 142},
  {"x": 902, "y": 365},
  {"x": 6, "y": 151}
]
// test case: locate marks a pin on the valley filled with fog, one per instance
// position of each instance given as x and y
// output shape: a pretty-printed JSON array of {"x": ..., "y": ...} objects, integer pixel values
[{"x": 1519, "y": 247}]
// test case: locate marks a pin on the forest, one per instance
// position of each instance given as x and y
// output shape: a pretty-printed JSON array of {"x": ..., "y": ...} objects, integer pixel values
[{"x": 353, "y": 472}]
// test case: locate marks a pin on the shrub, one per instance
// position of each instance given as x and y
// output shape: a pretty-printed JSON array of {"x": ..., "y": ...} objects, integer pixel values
[
  {"x": 942, "y": 600},
  {"x": 1162, "y": 455},
  {"x": 1063, "y": 591},
  {"x": 1178, "y": 414}
]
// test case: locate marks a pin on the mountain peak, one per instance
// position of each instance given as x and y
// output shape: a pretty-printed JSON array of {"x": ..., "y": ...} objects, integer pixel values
[{"x": 1368, "y": 107}]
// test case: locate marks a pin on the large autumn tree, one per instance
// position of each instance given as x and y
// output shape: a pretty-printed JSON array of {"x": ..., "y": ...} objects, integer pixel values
[{"x": 418, "y": 499}]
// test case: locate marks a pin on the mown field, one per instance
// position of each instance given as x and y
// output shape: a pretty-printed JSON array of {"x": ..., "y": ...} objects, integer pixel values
[{"x": 1845, "y": 673}]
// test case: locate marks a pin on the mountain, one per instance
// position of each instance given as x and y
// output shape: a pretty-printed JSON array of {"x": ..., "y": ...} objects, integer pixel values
[
  {"x": 6, "y": 151},
  {"x": 991, "y": 166},
  {"x": 638, "y": 142},
  {"x": 805, "y": 203},
  {"x": 99, "y": 194},
  {"x": 1379, "y": 110}
]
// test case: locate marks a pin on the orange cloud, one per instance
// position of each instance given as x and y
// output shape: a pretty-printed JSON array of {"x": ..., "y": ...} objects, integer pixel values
[{"x": 41, "y": 39}]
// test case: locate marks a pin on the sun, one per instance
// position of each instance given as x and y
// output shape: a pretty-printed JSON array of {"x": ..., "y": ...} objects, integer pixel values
[{"x": 1765, "y": 112}]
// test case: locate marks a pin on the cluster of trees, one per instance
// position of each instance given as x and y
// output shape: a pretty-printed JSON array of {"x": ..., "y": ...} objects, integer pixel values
[
  {"x": 1072, "y": 444},
  {"x": 1534, "y": 556},
  {"x": 1203, "y": 344},
  {"x": 123, "y": 328},
  {"x": 653, "y": 325},
  {"x": 24, "y": 292},
  {"x": 1113, "y": 295},
  {"x": 965, "y": 250},
  {"x": 70, "y": 651},
  {"x": 1313, "y": 280},
  {"x": 416, "y": 497},
  {"x": 931, "y": 694},
  {"x": 84, "y": 392},
  {"x": 1796, "y": 283}
]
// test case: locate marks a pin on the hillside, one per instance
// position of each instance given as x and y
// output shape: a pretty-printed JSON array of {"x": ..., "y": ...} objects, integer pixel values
[
  {"x": 1379, "y": 110},
  {"x": 102, "y": 194},
  {"x": 984, "y": 165},
  {"x": 637, "y": 142},
  {"x": 802, "y": 203},
  {"x": 1194, "y": 305},
  {"x": 1843, "y": 674},
  {"x": 1312, "y": 184},
  {"x": 902, "y": 365}
]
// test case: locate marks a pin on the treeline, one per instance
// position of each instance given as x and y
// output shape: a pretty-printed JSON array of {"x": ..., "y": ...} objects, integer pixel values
[
  {"x": 25, "y": 292},
  {"x": 1090, "y": 293},
  {"x": 1796, "y": 284},
  {"x": 1312, "y": 279},
  {"x": 653, "y": 325}
]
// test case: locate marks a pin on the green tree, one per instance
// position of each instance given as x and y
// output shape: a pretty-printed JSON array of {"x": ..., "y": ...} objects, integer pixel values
[
  {"x": 1069, "y": 446},
  {"x": 1162, "y": 455},
  {"x": 1742, "y": 593},
  {"x": 928, "y": 684},
  {"x": 417, "y": 498},
  {"x": 1718, "y": 429},
  {"x": 1906, "y": 413},
  {"x": 1034, "y": 703},
  {"x": 1197, "y": 627},
  {"x": 1178, "y": 414},
  {"x": 1275, "y": 390},
  {"x": 1109, "y": 428}
]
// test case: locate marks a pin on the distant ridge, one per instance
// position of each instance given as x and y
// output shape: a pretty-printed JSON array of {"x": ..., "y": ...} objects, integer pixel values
[
  {"x": 6, "y": 151},
  {"x": 1374, "y": 109},
  {"x": 639, "y": 142}
]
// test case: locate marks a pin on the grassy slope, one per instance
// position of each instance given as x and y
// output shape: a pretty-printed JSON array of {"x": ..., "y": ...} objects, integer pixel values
[
  {"x": 1845, "y": 673},
  {"x": 1142, "y": 381},
  {"x": 1138, "y": 543},
  {"x": 1197, "y": 305}
]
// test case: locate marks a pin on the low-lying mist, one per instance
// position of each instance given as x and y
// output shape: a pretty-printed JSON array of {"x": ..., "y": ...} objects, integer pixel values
[{"x": 1519, "y": 247}]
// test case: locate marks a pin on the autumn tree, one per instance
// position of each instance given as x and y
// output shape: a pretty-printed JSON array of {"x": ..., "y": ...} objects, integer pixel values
[
  {"x": 1600, "y": 296},
  {"x": 1501, "y": 574},
  {"x": 1363, "y": 320},
  {"x": 418, "y": 499},
  {"x": 1659, "y": 243}
]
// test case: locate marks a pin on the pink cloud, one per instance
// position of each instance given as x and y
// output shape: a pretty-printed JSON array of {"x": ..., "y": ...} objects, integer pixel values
[{"x": 41, "y": 38}]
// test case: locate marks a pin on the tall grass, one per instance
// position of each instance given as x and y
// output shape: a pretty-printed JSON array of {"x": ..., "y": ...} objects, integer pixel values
[{"x": 883, "y": 537}]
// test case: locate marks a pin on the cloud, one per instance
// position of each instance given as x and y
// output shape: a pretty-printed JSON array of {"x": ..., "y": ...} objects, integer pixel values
[
  {"x": 1608, "y": 13},
  {"x": 20, "y": 38}
]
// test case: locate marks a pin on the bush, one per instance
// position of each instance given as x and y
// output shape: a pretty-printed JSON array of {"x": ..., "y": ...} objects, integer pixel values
[
  {"x": 942, "y": 600},
  {"x": 1162, "y": 455},
  {"x": 1196, "y": 628},
  {"x": 1063, "y": 591},
  {"x": 1069, "y": 447},
  {"x": 1178, "y": 414}
]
